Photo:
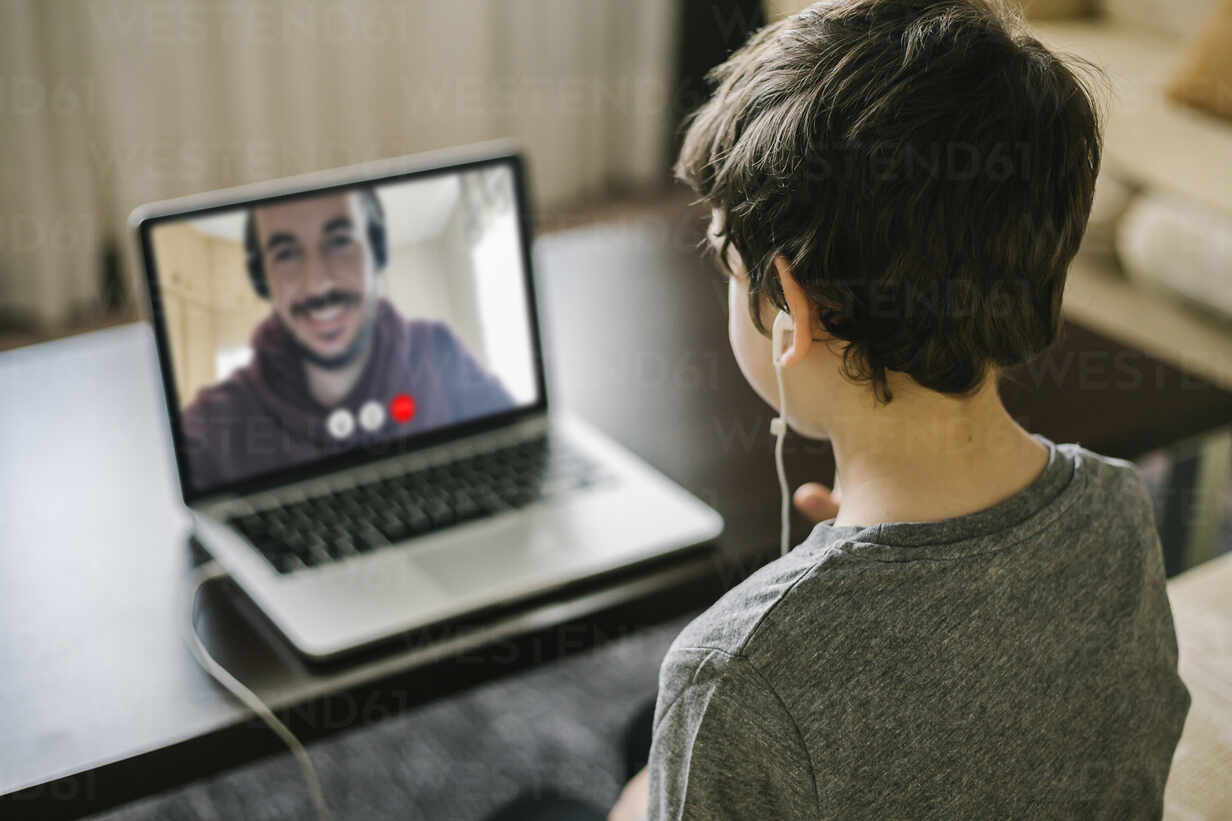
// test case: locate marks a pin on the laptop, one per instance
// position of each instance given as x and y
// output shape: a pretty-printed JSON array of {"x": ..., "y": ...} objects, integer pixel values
[{"x": 357, "y": 398}]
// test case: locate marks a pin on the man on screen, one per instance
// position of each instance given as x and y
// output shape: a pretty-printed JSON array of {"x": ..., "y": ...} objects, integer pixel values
[{"x": 334, "y": 364}]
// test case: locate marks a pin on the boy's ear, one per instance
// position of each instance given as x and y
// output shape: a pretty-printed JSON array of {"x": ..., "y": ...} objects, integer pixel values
[{"x": 801, "y": 311}]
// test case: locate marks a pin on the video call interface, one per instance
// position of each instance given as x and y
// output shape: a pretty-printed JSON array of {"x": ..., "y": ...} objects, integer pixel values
[{"x": 305, "y": 327}]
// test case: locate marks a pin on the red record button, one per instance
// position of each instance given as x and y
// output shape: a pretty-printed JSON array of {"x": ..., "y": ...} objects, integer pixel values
[{"x": 402, "y": 408}]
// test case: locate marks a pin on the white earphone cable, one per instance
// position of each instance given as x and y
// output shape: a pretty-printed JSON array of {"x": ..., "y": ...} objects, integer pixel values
[
  {"x": 785, "y": 512},
  {"x": 207, "y": 572},
  {"x": 778, "y": 427}
]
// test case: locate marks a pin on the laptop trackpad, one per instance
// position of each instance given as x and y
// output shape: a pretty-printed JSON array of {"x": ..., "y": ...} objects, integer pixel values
[{"x": 476, "y": 566}]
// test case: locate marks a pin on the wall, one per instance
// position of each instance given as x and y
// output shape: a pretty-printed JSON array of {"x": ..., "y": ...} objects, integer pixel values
[{"x": 107, "y": 104}]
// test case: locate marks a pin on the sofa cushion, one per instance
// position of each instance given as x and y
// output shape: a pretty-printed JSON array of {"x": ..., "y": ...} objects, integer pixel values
[
  {"x": 1205, "y": 78},
  {"x": 1149, "y": 140},
  {"x": 1179, "y": 246}
]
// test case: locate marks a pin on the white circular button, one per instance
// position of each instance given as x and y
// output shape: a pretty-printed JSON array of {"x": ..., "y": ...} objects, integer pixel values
[
  {"x": 371, "y": 415},
  {"x": 340, "y": 423}
]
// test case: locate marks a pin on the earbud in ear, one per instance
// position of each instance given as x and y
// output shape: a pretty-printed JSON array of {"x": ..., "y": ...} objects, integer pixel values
[{"x": 782, "y": 324}]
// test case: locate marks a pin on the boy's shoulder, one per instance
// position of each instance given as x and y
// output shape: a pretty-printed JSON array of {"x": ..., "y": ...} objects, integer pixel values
[
  {"x": 793, "y": 603},
  {"x": 736, "y": 623},
  {"x": 1112, "y": 485}
]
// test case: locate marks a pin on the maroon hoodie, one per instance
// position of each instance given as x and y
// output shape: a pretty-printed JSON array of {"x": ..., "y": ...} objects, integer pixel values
[{"x": 263, "y": 418}]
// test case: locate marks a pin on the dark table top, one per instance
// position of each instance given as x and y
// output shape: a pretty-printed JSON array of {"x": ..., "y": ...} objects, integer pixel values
[{"x": 100, "y": 699}]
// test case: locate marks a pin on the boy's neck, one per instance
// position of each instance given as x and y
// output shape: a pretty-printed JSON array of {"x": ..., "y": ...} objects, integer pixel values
[{"x": 927, "y": 457}]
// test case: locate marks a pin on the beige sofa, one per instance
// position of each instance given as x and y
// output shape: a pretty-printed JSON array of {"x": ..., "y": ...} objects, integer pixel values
[
  {"x": 1156, "y": 269},
  {"x": 1200, "y": 784}
]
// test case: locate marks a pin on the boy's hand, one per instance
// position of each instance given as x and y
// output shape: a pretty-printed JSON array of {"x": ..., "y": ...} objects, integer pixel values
[
  {"x": 631, "y": 806},
  {"x": 816, "y": 501}
]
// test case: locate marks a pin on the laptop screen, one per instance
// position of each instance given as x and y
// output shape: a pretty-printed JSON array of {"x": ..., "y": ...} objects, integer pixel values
[{"x": 345, "y": 320}]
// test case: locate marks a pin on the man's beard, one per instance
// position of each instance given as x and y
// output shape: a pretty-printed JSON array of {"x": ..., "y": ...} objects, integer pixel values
[{"x": 360, "y": 344}]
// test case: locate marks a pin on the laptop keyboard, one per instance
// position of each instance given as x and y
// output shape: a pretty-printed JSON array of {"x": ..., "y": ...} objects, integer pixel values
[{"x": 367, "y": 517}]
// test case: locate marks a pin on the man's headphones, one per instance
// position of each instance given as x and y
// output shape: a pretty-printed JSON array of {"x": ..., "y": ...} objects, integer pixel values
[{"x": 376, "y": 239}]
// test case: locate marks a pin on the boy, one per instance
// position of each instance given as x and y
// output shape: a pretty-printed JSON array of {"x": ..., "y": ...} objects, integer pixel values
[{"x": 979, "y": 626}]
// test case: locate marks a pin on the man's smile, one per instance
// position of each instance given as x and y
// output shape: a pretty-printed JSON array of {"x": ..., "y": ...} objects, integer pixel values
[
  {"x": 328, "y": 323},
  {"x": 326, "y": 317}
]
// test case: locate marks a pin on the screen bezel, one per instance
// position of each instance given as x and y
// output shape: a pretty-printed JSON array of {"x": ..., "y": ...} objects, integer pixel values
[{"x": 294, "y": 188}]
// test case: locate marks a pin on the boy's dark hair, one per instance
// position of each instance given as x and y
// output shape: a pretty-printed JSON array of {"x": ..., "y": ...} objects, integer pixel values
[{"x": 927, "y": 168}]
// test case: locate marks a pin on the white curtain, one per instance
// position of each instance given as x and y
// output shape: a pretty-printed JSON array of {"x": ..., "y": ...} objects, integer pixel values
[{"x": 110, "y": 103}]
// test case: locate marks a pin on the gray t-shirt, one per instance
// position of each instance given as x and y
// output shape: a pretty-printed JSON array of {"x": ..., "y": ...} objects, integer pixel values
[{"x": 1019, "y": 662}]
